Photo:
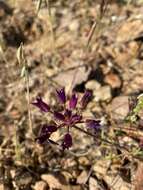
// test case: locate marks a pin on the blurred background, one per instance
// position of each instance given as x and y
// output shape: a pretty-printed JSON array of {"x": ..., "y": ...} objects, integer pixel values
[{"x": 79, "y": 45}]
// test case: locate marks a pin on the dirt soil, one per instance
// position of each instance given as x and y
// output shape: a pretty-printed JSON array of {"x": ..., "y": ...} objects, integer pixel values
[{"x": 61, "y": 51}]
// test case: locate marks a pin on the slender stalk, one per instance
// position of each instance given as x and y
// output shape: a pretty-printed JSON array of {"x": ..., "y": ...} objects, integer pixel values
[
  {"x": 97, "y": 24},
  {"x": 28, "y": 101},
  {"x": 2, "y": 53},
  {"x": 47, "y": 3},
  {"x": 104, "y": 140},
  {"x": 17, "y": 145},
  {"x": 24, "y": 73},
  {"x": 91, "y": 32},
  {"x": 135, "y": 132}
]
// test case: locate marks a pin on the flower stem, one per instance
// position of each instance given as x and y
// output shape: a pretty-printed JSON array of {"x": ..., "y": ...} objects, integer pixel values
[{"x": 102, "y": 139}]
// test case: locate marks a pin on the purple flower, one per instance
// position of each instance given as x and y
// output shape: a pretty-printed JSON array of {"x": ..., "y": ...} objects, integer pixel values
[
  {"x": 68, "y": 114},
  {"x": 85, "y": 99},
  {"x": 59, "y": 116},
  {"x": 61, "y": 95},
  {"x": 67, "y": 141},
  {"x": 42, "y": 138},
  {"x": 48, "y": 129},
  {"x": 45, "y": 133},
  {"x": 41, "y": 104},
  {"x": 93, "y": 124},
  {"x": 73, "y": 101},
  {"x": 76, "y": 118},
  {"x": 67, "y": 117}
]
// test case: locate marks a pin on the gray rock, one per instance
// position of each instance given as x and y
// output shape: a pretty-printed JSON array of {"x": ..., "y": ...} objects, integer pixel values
[
  {"x": 119, "y": 107},
  {"x": 92, "y": 85},
  {"x": 103, "y": 94}
]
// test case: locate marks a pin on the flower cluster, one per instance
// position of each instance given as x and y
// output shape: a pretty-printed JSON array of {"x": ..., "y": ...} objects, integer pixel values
[{"x": 68, "y": 116}]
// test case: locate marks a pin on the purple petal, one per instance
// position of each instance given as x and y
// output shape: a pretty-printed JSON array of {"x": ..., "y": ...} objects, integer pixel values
[
  {"x": 41, "y": 104},
  {"x": 67, "y": 142},
  {"x": 94, "y": 124},
  {"x": 73, "y": 101},
  {"x": 68, "y": 114},
  {"x": 76, "y": 118},
  {"x": 85, "y": 99},
  {"x": 48, "y": 129},
  {"x": 59, "y": 116},
  {"x": 42, "y": 138},
  {"x": 61, "y": 95}
]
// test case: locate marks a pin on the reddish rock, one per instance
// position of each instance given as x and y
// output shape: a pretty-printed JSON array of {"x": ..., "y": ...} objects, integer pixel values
[{"x": 113, "y": 80}]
